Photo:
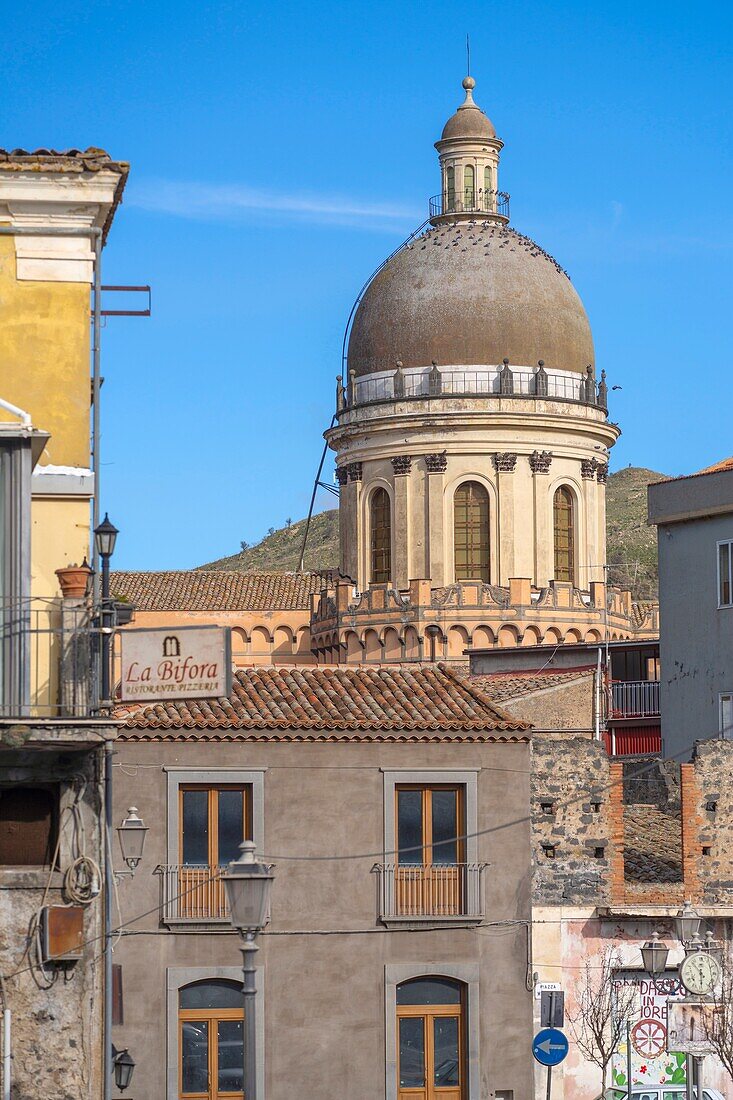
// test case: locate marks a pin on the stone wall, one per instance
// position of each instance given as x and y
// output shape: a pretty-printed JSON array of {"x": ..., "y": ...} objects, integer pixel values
[
  {"x": 57, "y": 1014},
  {"x": 708, "y": 822},
  {"x": 571, "y": 822}
]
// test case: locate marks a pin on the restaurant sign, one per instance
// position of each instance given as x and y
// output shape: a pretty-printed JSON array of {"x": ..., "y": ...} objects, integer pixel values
[{"x": 184, "y": 662}]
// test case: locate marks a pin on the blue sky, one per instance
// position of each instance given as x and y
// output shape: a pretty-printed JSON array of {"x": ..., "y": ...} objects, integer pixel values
[{"x": 279, "y": 152}]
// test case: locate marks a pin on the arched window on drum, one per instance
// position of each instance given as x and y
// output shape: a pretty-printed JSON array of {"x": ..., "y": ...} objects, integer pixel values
[
  {"x": 563, "y": 522},
  {"x": 381, "y": 537},
  {"x": 471, "y": 532}
]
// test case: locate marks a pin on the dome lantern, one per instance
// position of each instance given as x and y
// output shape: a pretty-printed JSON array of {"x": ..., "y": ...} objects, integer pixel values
[{"x": 468, "y": 151}]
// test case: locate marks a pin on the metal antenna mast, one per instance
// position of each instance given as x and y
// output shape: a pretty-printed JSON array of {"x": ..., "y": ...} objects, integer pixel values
[{"x": 468, "y": 56}]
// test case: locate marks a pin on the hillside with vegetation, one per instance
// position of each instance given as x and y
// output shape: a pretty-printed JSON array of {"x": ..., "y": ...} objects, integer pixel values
[{"x": 632, "y": 547}]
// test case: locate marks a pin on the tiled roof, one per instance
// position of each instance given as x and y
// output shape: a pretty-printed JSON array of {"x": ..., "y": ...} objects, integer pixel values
[
  {"x": 306, "y": 703},
  {"x": 216, "y": 590},
  {"x": 726, "y": 464},
  {"x": 500, "y": 687},
  {"x": 652, "y": 845}
]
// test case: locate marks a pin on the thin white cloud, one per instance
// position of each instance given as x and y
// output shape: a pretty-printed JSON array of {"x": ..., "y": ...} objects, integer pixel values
[{"x": 226, "y": 202}]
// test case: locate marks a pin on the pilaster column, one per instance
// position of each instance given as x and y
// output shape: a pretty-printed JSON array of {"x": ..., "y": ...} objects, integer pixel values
[
  {"x": 540, "y": 462},
  {"x": 401, "y": 521},
  {"x": 350, "y": 521},
  {"x": 505, "y": 464},
  {"x": 436, "y": 465},
  {"x": 588, "y": 553}
]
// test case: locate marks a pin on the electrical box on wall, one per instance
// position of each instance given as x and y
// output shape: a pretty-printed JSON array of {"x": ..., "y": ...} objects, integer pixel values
[{"x": 62, "y": 933}]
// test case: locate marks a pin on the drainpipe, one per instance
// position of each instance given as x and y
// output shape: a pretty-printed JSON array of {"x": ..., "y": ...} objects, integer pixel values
[
  {"x": 6, "y": 1041},
  {"x": 108, "y": 872},
  {"x": 598, "y": 697},
  {"x": 95, "y": 233}
]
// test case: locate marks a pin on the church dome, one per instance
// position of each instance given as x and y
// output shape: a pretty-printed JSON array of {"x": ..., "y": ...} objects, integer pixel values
[
  {"x": 470, "y": 293},
  {"x": 469, "y": 121}
]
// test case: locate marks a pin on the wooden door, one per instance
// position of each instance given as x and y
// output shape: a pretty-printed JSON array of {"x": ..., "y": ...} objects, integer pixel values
[
  {"x": 211, "y": 1054},
  {"x": 430, "y": 875},
  {"x": 430, "y": 1054}
]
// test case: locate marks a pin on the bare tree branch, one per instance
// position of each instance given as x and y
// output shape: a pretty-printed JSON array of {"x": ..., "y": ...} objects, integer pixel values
[{"x": 603, "y": 1007}]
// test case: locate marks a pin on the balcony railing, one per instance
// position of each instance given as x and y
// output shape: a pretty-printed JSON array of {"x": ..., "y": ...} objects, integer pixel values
[
  {"x": 470, "y": 202},
  {"x": 635, "y": 699},
  {"x": 478, "y": 382},
  {"x": 431, "y": 892},
  {"x": 49, "y": 660},
  {"x": 193, "y": 894}
]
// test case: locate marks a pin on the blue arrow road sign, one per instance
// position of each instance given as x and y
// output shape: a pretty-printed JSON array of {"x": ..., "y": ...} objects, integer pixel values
[{"x": 549, "y": 1046}]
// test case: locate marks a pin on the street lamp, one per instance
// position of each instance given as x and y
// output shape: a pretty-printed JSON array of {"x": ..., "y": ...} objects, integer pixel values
[
  {"x": 105, "y": 537},
  {"x": 248, "y": 882},
  {"x": 687, "y": 923},
  {"x": 124, "y": 1065},
  {"x": 654, "y": 956},
  {"x": 132, "y": 833}
]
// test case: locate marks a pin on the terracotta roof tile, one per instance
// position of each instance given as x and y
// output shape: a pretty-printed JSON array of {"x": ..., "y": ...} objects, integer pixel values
[
  {"x": 216, "y": 590},
  {"x": 312, "y": 703},
  {"x": 500, "y": 687}
]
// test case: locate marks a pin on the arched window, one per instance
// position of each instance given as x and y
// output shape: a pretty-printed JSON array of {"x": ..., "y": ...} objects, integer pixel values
[
  {"x": 471, "y": 532},
  {"x": 381, "y": 537},
  {"x": 430, "y": 1039},
  {"x": 488, "y": 203},
  {"x": 211, "y": 1052},
  {"x": 563, "y": 519},
  {"x": 469, "y": 186},
  {"x": 450, "y": 186}
]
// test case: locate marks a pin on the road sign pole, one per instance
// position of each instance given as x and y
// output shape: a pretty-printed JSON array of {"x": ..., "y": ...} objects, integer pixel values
[
  {"x": 628, "y": 1057},
  {"x": 549, "y": 1083}
]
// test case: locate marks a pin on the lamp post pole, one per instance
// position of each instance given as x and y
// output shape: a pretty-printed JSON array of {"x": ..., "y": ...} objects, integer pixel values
[
  {"x": 249, "y": 972},
  {"x": 247, "y": 882}
]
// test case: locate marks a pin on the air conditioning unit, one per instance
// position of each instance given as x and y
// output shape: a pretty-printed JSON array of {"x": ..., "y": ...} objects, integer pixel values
[{"x": 62, "y": 933}]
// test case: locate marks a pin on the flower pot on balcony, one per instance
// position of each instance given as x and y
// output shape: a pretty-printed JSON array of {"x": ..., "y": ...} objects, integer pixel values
[
  {"x": 74, "y": 580},
  {"x": 124, "y": 612}
]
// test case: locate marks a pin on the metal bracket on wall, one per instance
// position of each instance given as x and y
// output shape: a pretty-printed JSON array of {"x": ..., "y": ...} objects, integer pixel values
[{"x": 128, "y": 312}]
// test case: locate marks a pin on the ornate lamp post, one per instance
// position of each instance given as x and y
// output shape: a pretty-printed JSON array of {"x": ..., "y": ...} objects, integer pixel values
[
  {"x": 654, "y": 956},
  {"x": 105, "y": 537},
  {"x": 132, "y": 833},
  {"x": 687, "y": 924},
  {"x": 248, "y": 882},
  {"x": 124, "y": 1065}
]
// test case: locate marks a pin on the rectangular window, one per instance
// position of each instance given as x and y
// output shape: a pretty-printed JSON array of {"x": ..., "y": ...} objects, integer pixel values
[
  {"x": 430, "y": 829},
  {"x": 725, "y": 727},
  {"x": 725, "y": 574},
  {"x": 28, "y": 826},
  {"x": 214, "y": 820}
]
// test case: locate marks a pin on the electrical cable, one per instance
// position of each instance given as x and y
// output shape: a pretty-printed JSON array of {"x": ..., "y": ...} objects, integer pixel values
[{"x": 526, "y": 819}]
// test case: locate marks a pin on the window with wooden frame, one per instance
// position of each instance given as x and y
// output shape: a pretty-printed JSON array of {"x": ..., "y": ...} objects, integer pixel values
[
  {"x": 210, "y": 1047},
  {"x": 380, "y": 513},
  {"x": 430, "y": 830},
  {"x": 213, "y": 822},
  {"x": 471, "y": 532},
  {"x": 431, "y": 1039},
  {"x": 563, "y": 520}
]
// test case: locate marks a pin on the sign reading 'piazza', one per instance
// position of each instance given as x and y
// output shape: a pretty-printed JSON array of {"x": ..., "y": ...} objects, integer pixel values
[{"x": 189, "y": 662}]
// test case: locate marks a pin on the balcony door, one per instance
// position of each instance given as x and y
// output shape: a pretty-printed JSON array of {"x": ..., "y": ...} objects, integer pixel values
[
  {"x": 430, "y": 873},
  {"x": 430, "y": 1040},
  {"x": 214, "y": 822},
  {"x": 211, "y": 1049}
]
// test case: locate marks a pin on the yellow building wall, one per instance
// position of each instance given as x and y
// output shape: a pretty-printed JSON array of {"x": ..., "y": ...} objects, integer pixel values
[
  {"x": 59, "y": 537},
  {"x": 44, "y": 357}
]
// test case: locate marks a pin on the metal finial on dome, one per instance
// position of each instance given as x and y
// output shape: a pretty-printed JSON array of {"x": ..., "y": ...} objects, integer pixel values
[{"x": 468, "y": 84}]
